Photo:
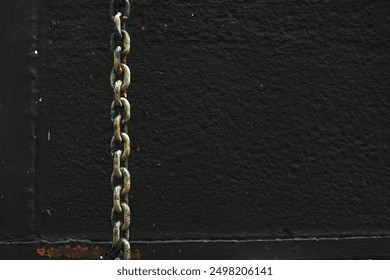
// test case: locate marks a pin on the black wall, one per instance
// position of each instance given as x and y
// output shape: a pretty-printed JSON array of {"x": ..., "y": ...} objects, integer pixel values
[{"x": 260, "y": 129}]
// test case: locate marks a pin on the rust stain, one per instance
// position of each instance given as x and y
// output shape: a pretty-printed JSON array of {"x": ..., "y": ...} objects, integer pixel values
[
  {"x": 136, "y": 254},
  {"x": 41, "y": 252},
  {"x": 70, "y": 252}
]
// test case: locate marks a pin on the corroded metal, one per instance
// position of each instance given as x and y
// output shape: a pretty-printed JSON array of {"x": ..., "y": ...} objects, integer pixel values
[
  {"x": 117, "y": 92},
  {"x": 126, "y": 216},
  {"x": 120, "y": 142},
  {"x": 125, "y": 152},
  {"x": 122, "y": 6},
  {"x": 125, "y": 106},
  {"x": 116, "y": 164},
  {"x": 126, "y": 249},
  {"x": 117, "y": 199},
  {"x": 117, "y": 128},
  {"x": 123, "y": 39},
  {"x": 117, "y": 20},
  {"x": 126, "y": 77},
  {"x": 117, "y": 60}
]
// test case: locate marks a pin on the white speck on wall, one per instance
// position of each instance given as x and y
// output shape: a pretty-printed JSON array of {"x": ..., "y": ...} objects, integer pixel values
[
  {"x": 40, "y": 99},
  {"x": 48, "y": 135},
  {"x": 35, "y": 52}
]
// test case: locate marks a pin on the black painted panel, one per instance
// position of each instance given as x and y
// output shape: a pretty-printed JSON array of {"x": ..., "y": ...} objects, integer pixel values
[
  {"x": 17, "y": 113},
  {"x": 250, "y": 120},
  {"x": 253, "y": 119}
]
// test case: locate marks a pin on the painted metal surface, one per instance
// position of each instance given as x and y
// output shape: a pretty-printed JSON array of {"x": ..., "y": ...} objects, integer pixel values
[{"x": 262, "y": 120}]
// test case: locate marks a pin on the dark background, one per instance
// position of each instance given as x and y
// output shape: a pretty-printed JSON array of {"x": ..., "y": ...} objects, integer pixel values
[{"x": 260, "y": 129}]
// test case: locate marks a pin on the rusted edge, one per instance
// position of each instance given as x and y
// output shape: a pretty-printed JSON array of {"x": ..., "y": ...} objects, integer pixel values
[
  {"x": 70, "y": 252},
  {"x": 75, "y": 252}
]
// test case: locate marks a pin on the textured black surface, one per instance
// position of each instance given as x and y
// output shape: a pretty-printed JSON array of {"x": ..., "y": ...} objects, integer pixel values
[
  {"x": 345, "y": 248},
  {"x": 252, "y": 120},
  {"x": 17, "y": 113}
]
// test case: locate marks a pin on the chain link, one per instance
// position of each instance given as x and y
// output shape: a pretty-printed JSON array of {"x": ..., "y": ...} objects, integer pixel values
[{"x": 120, "y": 143}]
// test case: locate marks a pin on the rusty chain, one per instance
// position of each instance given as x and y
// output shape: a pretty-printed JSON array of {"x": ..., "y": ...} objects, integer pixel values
[{"x": 120, "y": 143}]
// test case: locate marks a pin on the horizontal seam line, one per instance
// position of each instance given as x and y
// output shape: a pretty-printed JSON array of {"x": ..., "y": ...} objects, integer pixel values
[{"x": 202, "y": 240}]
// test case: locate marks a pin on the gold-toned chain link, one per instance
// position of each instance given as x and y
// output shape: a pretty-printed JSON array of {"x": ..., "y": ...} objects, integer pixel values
[{"x": 120, "y": 143}]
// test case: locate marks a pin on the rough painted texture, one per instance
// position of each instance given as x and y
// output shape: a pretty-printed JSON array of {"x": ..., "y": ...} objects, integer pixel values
[
  {"x": 17, "y": 113},
  {"x": 327, "y": 248},
  {"x": 252, "y": 120}
]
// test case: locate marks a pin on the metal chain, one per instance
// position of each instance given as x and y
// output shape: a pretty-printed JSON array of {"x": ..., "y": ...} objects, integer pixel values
[{"x": 120, "y": 142}]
